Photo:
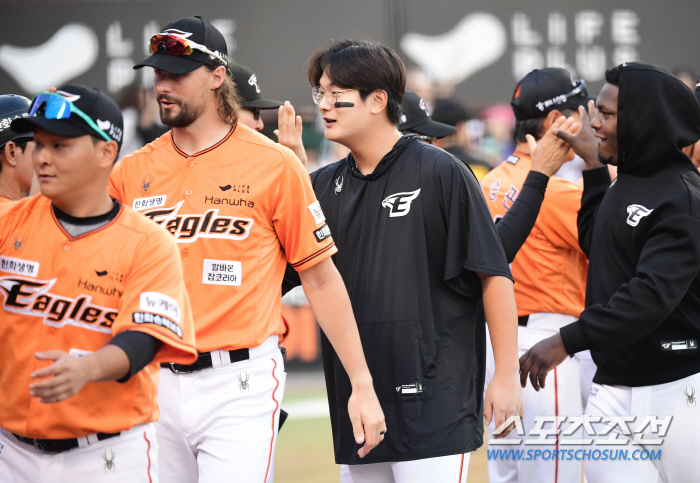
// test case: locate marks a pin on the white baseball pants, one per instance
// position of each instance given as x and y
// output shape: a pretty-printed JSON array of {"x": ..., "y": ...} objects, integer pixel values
[
  {"x": 445, "y": 469},
  {"x": 561, "y": 397},
  {"x": 220, "y": 424},
  {"x": 132, "y": 456}
]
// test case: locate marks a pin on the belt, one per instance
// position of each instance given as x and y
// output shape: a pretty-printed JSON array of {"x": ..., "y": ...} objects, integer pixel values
[
  {"x": 53, "y": 446},
  {"x": 522, "y": 321},
  {"x": 204, "y": 362}
]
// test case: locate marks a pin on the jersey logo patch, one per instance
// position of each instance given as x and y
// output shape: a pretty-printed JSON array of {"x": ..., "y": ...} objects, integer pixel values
[
  {"x": 635, "y": 213},
  {"x": 399, "y": 204},
  {"x": 32, "y": 297},
  {"x": 146, "y": 182},
  {"x": 19, "y": 266},
  {"x": 322, "y": 233},
  {"x": 149, "y": 318},
  {"x": 188, "y": 228},
  {"x": 317, "y": 212},
  {"x": 222, "y": 272},
  {"x": 338, "y": 185},
  {"x": 161, "y": 304},
  {"x": 150, "y": 202}
]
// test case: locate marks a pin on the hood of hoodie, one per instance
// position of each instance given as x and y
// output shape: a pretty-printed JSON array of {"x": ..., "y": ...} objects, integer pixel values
[{"x": 657, "y": 115}]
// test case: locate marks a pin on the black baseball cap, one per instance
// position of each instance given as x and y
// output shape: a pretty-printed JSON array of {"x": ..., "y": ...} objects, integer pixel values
[
  {"x": 544, "y": 90},
  {"x": 194, "y": 29},
  {"x": 248, "y": 88},
  {"x": 102, "y": 110},
  {"x": 12, "y": 106},
  {"x": 415, "y": 118}
]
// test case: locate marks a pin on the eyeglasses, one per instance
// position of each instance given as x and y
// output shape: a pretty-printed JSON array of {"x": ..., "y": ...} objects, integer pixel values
[
  {"x": 55, "y": 106},
  {"x": 175, "y": 45},
  {"x": 580, "y": 89},
  {"x": 330, "y": 94}
]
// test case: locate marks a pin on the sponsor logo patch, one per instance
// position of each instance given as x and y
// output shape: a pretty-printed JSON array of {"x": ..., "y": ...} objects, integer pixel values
[
  {"x": 679, "y": 345},
  {"x": 322, "y": 233},
  {"x": 635, "y": 213},
  {"x": 150, "y": 202},
  {"x": 317, "y": 212},
  {"x": 159, "y": 303},
  {"x": 149, "y": 318},
  {"x": 222, "y": 272},
  {"x": 19, "y": 266},
  {"x": 399, "y": 204}
]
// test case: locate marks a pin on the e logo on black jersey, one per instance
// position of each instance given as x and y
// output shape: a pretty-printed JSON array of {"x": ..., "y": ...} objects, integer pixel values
[
  {"x": 399, "y": 204},
  {"x": 635, "y": 213}
]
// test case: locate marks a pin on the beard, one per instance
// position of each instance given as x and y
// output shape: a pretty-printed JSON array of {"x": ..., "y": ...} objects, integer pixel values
[
  {"x": 607, "y": 161},
  {"x": 187, "y": 115}
]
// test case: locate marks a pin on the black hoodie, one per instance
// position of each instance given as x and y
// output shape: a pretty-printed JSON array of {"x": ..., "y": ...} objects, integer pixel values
[{"x": 642, "y": 237}]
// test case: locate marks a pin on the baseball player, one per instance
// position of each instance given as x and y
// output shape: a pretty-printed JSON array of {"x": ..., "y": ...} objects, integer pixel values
[
  {"x": 643, "y": 290},
  {"x": 15, "y": 150},
  {"x": 418, "y": 252},
  {"x": 239, "y": 206},
  {"x": 92, "y": 300},
  {"x": 550, "y": 268},
  {"x": 415, "y": 119}
]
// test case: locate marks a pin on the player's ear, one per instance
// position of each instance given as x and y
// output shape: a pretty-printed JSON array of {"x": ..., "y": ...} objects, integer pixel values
[
  {"x": 218, "y": 76},
  {"x": 9, "y": 153},
  {"x": 377, "y": 101},
  {"x": 549, "y": 120},
  {"x": 108, "y": 153}
]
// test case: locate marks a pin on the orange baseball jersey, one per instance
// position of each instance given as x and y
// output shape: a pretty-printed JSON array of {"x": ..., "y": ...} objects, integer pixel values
[
  {"x": 238, "y": 211},
  {"x": 550, "y": 268},
  {"x": 4, "y": 200},
  {"x": 74, "y": 295}
]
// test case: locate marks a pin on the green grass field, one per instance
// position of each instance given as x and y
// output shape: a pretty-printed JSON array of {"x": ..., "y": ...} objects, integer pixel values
[{"x": 305, "y": 446}]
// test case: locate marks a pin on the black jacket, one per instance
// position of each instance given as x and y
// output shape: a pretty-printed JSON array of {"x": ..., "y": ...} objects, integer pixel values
[
  {"x": 410, "y": 237},
  {"x": 642, "y": 237}
]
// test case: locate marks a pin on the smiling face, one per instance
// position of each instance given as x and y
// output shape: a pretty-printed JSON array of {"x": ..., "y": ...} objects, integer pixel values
[
  {"x": 605, "y": 124},
  {"x": 182, "y": 98}
]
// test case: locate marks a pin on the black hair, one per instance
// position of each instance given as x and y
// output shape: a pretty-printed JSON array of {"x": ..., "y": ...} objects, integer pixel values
[
  {"x": 612, "y": 76},
  {"x": 449, "y": 111},
  {"x": 363, "y": 65},
  {"x": 532, "y": 127}
]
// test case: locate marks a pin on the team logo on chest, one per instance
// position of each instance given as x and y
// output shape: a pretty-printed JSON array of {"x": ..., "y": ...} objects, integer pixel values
[
  {"x": 399, "y": 204},
  {"x": 338, "y": 185},
  {"x": 146, "y": 183},
  {"x": 187, "y": 228},
  {"x": 635, "y": 213}
]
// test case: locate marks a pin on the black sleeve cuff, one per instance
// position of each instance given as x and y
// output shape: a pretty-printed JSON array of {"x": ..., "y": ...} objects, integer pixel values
[
  {"x": 593, "y": 178},
  {"x": 139, "y": 347},
  {"x": 574, "y": 338}
]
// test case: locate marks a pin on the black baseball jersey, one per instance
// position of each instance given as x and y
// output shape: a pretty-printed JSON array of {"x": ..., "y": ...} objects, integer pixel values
[
  {"x": 642, "y": 234},
  {"x": 410, "y": 237}
]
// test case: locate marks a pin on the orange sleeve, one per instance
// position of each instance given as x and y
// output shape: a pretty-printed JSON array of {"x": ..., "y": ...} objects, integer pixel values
[
  {"x": 116, "y": 183},
  {"x": 155, "y": 299},
  {"x": 559, "y": 214},
  {"x": 298, "y": 218}
]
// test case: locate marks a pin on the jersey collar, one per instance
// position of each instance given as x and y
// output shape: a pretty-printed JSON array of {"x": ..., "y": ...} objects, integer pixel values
[{"x": 204, "y": 151}]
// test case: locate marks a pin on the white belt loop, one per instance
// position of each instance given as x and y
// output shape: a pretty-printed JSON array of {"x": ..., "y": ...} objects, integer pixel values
[
  {"x": 220, "y": 359},
  {"x": 84, "y": 441}
]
